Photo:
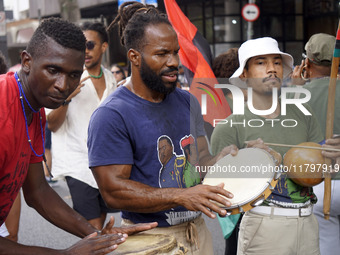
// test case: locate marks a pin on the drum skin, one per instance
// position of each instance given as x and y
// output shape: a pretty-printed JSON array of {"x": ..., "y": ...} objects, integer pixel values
[
  {"x": 304, "y": 166},
  {"x": 248, "y": 188}
]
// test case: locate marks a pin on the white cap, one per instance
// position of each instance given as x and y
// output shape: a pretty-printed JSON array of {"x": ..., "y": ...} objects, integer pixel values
[{"x": 257, "y": 47}]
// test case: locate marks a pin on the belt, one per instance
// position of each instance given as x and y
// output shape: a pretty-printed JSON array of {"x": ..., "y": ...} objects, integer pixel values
[{"x": 278, "y": 211}]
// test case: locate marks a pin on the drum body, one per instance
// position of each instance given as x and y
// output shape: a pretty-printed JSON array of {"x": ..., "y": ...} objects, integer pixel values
[
  {"x": 149, "y": 244},
  {"x": 251, "y": 176}
]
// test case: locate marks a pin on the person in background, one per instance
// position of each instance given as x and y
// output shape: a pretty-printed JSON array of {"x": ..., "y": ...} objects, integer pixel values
[
  {"x": 48, "y": 156},
  {"x": 223, "y": 66},
  {"x": 69, "y": 126},
  {"x": 183, "y": 83},
  {"x": 51, "y": 67},
  {"x": 118, "y": 72},
  {"x": 3, "y": 64},
  {"x": 316, "y": 69}
]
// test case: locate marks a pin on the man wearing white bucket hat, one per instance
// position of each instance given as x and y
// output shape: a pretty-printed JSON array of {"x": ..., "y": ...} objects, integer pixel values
[
  {"x": 284, "y": 224},
  {"x": 258, "y": 47}
]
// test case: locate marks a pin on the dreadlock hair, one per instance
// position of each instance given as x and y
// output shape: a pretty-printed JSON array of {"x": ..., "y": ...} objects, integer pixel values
[
  {"x": 225, "y": 64},
  {"x": 99, "y": 28},
  {"x": 63, "y": 32},
  {"x": 132, "y": 19}
]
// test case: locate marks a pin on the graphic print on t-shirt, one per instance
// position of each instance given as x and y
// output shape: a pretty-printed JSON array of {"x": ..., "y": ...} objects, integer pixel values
[{"x": 177, "y": 171}]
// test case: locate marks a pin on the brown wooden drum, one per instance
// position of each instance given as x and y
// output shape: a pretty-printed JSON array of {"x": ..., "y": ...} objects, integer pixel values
[
  {"x": 251, "y": 176},
  {"x": 305, "y": 166},
  {"x": 150, "y": 244}
]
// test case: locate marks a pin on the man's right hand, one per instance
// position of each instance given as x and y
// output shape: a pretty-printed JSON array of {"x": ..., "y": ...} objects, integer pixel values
[
  {"x": 78, "y": 89},
  {"x": 96, "y": 244},
  {"x": 129, "y": 230},
  {"x": 298, "y": 73},
  {"x": 202, "y": 197}
]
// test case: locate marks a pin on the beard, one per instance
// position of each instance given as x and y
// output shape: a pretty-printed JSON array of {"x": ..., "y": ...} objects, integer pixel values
[{"x": 154, "y": 81}]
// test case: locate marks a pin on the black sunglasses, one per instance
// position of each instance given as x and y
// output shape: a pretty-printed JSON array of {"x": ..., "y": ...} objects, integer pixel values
[
  {"x": 116, "y": 72},
  {"x": 90, "y": 45}
]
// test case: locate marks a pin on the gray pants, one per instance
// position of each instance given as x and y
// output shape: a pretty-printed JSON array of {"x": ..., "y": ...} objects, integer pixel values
[
  {"x": 329, "y": 230},
  {"x": 279, "y": 235}
]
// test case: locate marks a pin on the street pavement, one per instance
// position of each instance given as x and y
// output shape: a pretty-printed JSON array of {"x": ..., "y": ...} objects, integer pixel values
[{"x": 35, "y": 230}]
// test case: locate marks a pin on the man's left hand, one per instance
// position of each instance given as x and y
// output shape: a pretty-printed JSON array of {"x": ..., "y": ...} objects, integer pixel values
[
  {"x": 333, "y": 143},
  {"x": 129, "y": 230}
]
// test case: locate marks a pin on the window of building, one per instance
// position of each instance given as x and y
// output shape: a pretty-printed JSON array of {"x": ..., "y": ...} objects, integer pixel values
[{"x": 290, "y": 22}]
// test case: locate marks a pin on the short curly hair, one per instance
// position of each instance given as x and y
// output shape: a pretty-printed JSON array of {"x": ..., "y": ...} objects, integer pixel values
[
  {"x": 63, "y": 32},
  {"x": 225, "y": 64},
  {"x": 133, "y": 18},
  {"x": 99, "y": 28}
]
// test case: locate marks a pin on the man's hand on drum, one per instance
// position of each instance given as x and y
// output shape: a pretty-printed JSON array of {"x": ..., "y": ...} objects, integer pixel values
[
  {"x": 231, "y": 149},
  {"x": 203, "y": 197},
  {"x": 258, "y": 143},
  {"x": 129, "y": 230},
  {"x": 333, "y": 143},
  {"x": 96, "y": 244}
]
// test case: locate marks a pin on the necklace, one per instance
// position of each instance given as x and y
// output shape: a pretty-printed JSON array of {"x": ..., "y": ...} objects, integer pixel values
[
  {"x": 98, "y": 76},
  {"x": 22, "y": 97}
]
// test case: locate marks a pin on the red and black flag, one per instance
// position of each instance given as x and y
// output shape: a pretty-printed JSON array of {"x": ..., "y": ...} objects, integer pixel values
[{"x": 196, "y": 58}]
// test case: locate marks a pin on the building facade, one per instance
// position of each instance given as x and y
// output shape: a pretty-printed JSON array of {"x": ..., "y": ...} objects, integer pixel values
[{"x": 290, "y": 22}]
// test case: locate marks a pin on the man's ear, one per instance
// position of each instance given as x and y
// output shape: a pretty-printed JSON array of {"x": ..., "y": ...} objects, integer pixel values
[
  {"x": 26, "y": 61},
  {"x": 104, "y": 46},
  {"x": 135, "y": 57},
  {"x": 243, "y": 77},
  {"x": 306, "y": 69},
  {"x": 308, "y": 63}
]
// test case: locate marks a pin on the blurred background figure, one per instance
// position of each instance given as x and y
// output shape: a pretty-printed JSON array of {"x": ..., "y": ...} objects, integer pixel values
[
  {"x": 118, "y": 72},
  {"x": 3, "y": 64},
  {"x": 181, "y": 78},
  {"x": 223, "y": 66},
  {"x": 48, "y": 156}
]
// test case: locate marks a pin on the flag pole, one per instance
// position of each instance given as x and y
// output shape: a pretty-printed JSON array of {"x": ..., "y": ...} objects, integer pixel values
[{"x": 330, "y": 122}]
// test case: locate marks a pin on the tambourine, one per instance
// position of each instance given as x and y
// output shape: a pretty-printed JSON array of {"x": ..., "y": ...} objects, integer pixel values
[{"x": 251, "y": 176}]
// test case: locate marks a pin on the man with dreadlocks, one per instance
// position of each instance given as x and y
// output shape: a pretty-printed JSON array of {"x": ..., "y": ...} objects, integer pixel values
[
  {"x": 51, "y": 68},
  {"x": 124, "y": 132}
]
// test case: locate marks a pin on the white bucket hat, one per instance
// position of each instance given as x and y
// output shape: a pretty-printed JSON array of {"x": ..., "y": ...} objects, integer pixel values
[{"x": 257, "y": 47}]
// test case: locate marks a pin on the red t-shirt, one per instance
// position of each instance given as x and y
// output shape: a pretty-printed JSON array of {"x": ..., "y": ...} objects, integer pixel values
[{"x": 15, "y": 151}]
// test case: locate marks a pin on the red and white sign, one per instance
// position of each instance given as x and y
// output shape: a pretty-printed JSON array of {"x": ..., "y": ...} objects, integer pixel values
[{"x": 250, "y": 12}]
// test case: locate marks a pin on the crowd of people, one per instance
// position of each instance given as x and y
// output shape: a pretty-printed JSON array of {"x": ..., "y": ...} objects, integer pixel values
[{"x": 133, "y": 141}]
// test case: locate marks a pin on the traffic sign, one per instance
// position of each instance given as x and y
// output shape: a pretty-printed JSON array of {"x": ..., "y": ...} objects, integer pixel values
[{"x": 250, "y": 12}]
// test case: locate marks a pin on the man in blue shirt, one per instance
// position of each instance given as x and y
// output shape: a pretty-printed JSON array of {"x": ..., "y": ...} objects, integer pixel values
[{"x": 124, "y": 133}]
